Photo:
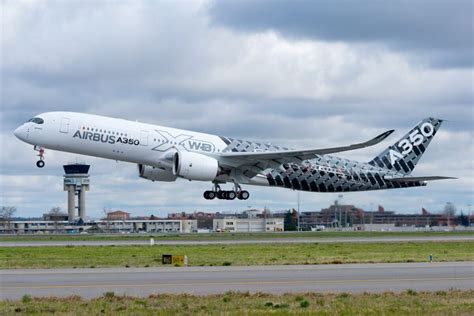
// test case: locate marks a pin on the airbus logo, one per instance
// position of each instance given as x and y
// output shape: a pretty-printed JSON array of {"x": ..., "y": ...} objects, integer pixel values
[
  {"x": 186, "y": 141},
  {"x": 104, "y": 138}
]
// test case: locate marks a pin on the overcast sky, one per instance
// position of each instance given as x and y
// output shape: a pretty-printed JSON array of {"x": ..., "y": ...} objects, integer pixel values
[{"x": 296, "y": 73}]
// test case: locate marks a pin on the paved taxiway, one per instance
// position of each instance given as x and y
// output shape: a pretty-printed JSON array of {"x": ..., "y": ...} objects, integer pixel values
[
  {"x": 288, "y": 240},
  {"x": 206, "y": 280}
]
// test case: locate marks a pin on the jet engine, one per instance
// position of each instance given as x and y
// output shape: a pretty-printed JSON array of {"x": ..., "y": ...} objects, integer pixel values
[
  {"x": 194, "y": 166},
  {"x": 155, "y": 174}
]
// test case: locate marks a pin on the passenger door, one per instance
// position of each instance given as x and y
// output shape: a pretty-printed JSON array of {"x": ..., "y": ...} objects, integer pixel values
[
  {"x": 64, "y": 127},
  {"x": 144, "y": 138}
]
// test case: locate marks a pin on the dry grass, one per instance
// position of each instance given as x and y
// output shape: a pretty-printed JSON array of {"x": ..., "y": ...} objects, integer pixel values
[{"x": 453, "y": 302}]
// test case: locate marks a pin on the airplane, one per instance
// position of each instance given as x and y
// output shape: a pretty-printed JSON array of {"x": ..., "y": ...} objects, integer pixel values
[{"x": 165, "y": 154}]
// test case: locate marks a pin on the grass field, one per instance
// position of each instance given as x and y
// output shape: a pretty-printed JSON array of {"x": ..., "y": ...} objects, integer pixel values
[
  {"x": 246, "y": 254},
  {"x": 231, "y": 236},
  {"x": 408, "y": 303}
]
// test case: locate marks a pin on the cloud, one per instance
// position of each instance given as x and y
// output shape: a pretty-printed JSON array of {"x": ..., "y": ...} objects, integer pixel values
[
  {"x": 192, "y": 66},
  {"x": 439, "y": 29}
]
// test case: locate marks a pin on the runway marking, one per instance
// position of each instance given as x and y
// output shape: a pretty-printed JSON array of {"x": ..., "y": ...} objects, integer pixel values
[{"x": 315, "y": 282}]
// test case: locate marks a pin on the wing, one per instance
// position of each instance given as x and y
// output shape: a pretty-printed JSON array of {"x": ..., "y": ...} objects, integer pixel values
[
  {"x": 417, "y": 179},
  {"x": 258, "y": 161}
]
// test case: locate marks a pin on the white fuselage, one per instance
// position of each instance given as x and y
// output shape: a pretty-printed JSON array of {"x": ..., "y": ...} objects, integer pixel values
[{"x": 114, "y": 138}]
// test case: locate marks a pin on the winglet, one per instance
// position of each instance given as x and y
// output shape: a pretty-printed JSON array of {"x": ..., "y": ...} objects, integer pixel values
[{"x": 379, "y": 138}]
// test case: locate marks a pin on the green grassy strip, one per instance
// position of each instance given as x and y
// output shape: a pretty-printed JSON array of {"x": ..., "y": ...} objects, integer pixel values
[
  {"x": 246, "y": 254},
  {"x": 230, "y": 236},
  {"x": 453, "y": 302}
]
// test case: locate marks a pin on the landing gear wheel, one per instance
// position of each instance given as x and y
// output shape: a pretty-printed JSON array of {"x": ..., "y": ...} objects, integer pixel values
[
  {"x": 211, "y": 195},
  {"x": 243, "y": 195},
  {"x": 40, "y": 150},
  {"x": 222, "y": 195},
  {"x": 231, "y": 195},
  {"x": 216, "y": 192}
]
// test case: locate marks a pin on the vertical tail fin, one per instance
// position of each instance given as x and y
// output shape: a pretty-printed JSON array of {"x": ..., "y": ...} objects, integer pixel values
[{"x": 406, "y": 152}]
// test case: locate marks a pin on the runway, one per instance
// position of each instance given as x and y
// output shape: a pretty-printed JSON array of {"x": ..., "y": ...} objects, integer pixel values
[
  {"x": 90, "y": 283},
  {"x": 283, "y": 240}
]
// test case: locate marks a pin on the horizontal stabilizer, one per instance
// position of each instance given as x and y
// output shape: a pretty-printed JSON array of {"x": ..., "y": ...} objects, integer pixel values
[{"x": 416, "y": 179}]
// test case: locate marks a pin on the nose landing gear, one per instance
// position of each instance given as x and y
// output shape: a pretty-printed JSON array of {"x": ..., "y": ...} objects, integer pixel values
[
  {"x": 216, "y": 192},
  {"x": 40, "y": 162}
]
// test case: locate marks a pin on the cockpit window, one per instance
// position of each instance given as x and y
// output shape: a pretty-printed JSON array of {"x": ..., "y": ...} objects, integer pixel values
[{"x": 36, "y": 120}]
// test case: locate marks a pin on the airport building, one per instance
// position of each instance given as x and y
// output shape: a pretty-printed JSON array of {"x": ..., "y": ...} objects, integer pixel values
[
  {"x": 204, "y": 220},
  {"x": 118, "y": 216},
  {"x": 102, "y": 226},
  {"x": 247, "y": 225},
  {"x": 122, "y": 222},
  {"x": 144, "y": 226},
  {"x": 248, "y": 221},
  {"x": 336, "y": 216}
]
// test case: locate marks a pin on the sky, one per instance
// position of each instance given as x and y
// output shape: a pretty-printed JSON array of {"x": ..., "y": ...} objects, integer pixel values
[{"x": 302, "y": 74}]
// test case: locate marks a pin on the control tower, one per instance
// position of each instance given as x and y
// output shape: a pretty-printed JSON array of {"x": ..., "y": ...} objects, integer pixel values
[{"x": 76, "y": 182}]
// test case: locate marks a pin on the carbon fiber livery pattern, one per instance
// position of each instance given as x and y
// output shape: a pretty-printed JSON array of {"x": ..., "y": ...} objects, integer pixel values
[
  {"x": 332, "y": 174},
  {"x": 237, "y": 145},
  {"x": 407, "y": 163}
]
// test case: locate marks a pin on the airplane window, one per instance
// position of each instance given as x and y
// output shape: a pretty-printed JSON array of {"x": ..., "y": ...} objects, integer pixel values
[{"x": 36, "y": 120}]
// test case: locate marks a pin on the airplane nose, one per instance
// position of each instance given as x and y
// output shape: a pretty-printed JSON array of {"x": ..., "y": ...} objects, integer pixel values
[{"x": 19, "y": 133}]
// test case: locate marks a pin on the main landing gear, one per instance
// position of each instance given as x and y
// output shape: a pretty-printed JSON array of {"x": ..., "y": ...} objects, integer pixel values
[
  {"x": 40, "y": 162},
  {"x": 216, "y": 192}
]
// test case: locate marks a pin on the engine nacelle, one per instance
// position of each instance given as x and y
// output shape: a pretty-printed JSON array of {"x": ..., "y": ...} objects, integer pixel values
[
  {"x": 155, "y": 174},
  {"x": 194, "y": 166}
]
